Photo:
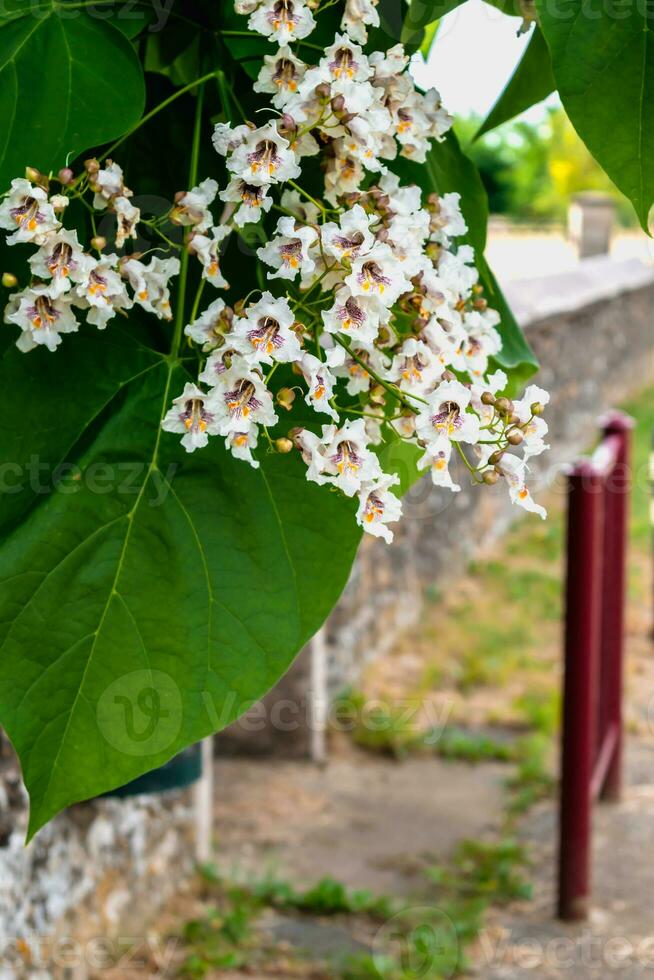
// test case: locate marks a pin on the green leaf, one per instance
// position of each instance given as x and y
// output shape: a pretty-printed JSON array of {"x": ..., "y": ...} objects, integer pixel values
[
  {"x": 531, "y": 82},
  {"x": 603, "y": 60},
  {"x": 67, "y": 82},
  {"x": 151, "y": 596},
  {"x": 449, "y": 169}
]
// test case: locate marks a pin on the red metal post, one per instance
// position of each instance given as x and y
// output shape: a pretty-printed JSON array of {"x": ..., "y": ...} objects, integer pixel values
[
  {"x": 583, "y": 597},
  {"x": 616, "y": 517}
]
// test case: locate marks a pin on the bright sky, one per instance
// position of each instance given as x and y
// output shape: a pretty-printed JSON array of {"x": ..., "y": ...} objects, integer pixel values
[{"x": 474, "y": 55}]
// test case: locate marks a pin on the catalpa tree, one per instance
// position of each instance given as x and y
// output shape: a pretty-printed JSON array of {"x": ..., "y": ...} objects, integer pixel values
[{"x": 246, "y": 307}]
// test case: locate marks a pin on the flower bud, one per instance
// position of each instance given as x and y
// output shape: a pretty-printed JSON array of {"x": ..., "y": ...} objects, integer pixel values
[
  {"x": 377, "y": 395},
  {"x": 99, "y": 242},
  {"x": 65, "y": 176},
  {"x": 33, "y": 174},
  {"x": 91, "y": 166},
  {"x": 285, "y": 398},
  {"x": 504, "y": 406},
  {"x": 298, "y": 328},
  {"x": 283, "y": 445},
  {"x": 9, "y": 280},
  {"x": 480, "y": 304},
  {"x": 490, "y": 477},
  {"x": 488, "y": 398},
  {"x": 537, "y": 408},
  {"x": 383, "y": 336},
  {"x": 496, "y": 456},
  {"x": 337, "y": 104},
  {"x": 515, "y": 437},
  {"x": 323, "y": 91}
]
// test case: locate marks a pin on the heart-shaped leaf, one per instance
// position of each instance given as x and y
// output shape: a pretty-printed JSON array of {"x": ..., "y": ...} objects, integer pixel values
[
  {"x": 68, "y": 81},
  {"x": 147, "y": 597}
]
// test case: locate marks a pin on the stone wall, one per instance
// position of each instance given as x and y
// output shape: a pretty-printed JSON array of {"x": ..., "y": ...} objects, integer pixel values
[{"x": 593, "y": 332}]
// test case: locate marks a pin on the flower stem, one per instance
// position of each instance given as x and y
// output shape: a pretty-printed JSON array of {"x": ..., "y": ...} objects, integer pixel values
[{"x": 183, "y": 272}]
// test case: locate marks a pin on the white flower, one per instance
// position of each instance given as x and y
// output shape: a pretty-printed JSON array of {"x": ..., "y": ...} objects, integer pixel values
[
  {"x": 264, "y": 157},
  {"x": 340, "y": 457},
  {"x": 192, "y": 208},
  {"x": 358, "y": 14},
  {"x": 345, "y": 172},
  {"x": 226, "y": 137},
  {"x": 280, "y": 75},
  {"x": 59, "y": 202},
  {"x": 533, "y": 395},
  {"x": 358, "y": 317},
  {"x": 378, "y": 273},
  {"x": 389, "y": 64},
  {"x": 211, "y": 326},
  {"x": 108, "y": 184},
  {"x": 253, "y": 200},
  {"x": 41, "y": 316},
  {"x": 354, "y": 369},
  {"x": 288, "y": 252},
  {"x": 446, "y": 415},
  {"x": 62, "y": 260},
  {"x": 437, "y": 459},
  {"x": 282, "y": 21},
  {"x": 266, "y": 330},
  {"x": 414, "y": 367},
  {"x": 207, "y": 250},
  {"x": 27, "y": 212},
  {"x": 321, "y": 384},
  {"x": 127, "y": 217},
  {"x": 241, "y": 444},
  {"x": 514, "y": 470},
  {"x": 344, "y": 62},
  {"x": 193, "y": 413},
  {"x": 352, "y": 237},
  {"x": 447, "y": 222},
  {"x": 378, "y": 507},
  {"x": 150, "y": 284},
  {"x": 103, "y": 291},
  {"x": 242, "y": 399}
]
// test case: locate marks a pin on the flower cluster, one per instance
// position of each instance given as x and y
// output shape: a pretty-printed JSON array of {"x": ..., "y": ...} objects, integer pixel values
[
  {"x": 67, "y": 279},
  {"x": 374, "y": 313}
]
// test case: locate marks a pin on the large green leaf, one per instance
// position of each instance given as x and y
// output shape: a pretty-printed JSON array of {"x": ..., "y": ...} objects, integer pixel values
[
  {"x": 151, "y": 596},
  {"x": 68, "y": 81},
  {"x": 603, "y": 59},
  {"x": 531, "y": 82}
]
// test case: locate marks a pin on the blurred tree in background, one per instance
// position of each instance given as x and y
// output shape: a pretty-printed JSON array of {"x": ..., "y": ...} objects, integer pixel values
[{"x": 532, "y": 170}]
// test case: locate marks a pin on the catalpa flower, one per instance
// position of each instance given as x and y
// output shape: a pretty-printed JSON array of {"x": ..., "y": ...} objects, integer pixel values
[
  {"x": 346, "y": 462},
  {"x": 379, "y": 274},
  {"x": 446, "y": 415},
  {"x": 27, "y": 212},
  {"x": 150, "y": 284},
  {"x": 264, "y": 157},
  {"x": 437, "y": 460},
  {"x": 127, "y": 217},
  {"x": 415, "y": 368},
  {"x": 267, "y": 331},
  {"x": 378, "y": 507},
  {"x": 192, "y": 207},
  {"x": 242, "y": 398},
  {"x": 514, "y": 470},
  {"x": 242, "y": 444},
  {"x": 344, "y": 62},
  {"x": 103, "y": 291},
  {"x": 280, "y": 75},
  {"x": 283, "y": 21},
  {"x": 108, "y": 183},
  {"x": 320, "y": 380},
  {"x": 357, "y": 317},
  {"x": 351, "y": 237},
  {"x": 62, "y": 260},
  {"x": 253, "y": 199},
  {"x": 41, "y": 316},
  {"x": 207, "y": 249},
  {"x": 211, "y": 326},
  {"x": 288, "y": 252},
  {"x": 194, "y": 414},
  {"x": 358, "y": 15}
]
